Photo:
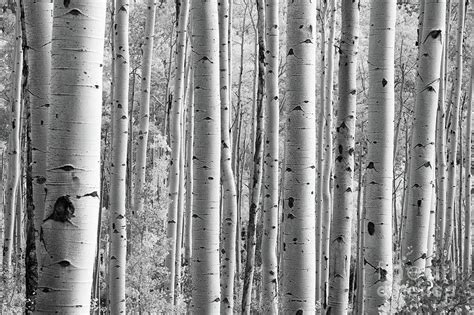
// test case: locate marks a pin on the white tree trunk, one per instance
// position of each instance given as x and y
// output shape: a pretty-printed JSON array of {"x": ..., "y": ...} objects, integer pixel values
[
  {"x": 118, "y": 189},
  {"x": 298, "y": 270},
  {"x": 340, "y": 231},
  {"x": 271, "y": 161},
  {"x": 229, "y": 191},
  {"x": 421, "y": 178},
  {"x": 378, "y": 234},
  {"x": 69, "y": 228},
  {"x": 38, "y": 22},
  {"x": 206, "y": 159}
]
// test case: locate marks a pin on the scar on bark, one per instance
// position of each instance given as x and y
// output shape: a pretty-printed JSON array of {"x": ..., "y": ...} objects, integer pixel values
[{"x": 63, "y": 210}]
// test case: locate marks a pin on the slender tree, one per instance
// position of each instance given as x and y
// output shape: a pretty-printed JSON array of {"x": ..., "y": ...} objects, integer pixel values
[
  {"x": 229, "y": 191},
  {"x": 422, "y": 169},
  {"x": 175, "y": 139},
  {"x": 69, "y": 229},
  {"x": 340, "y": 231},
  {"x": 206, "y": 159},
  {"x": 118, "y": 189},
  {"x": 14, "y": 148},
  {"x": 298, "y": 270},
  {"x": 378, "y": 223},
  {"x": 271, "y": 159}
]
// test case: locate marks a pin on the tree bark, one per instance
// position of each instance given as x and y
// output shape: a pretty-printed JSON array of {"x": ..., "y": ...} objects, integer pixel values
[
  {"x": 340, "y": 231},
  {"x": 298, "y": 269},
  {"x": 69, "y": 230},
  {"x": 378, "y": 234},
  {"x": 206, "y": 159}
]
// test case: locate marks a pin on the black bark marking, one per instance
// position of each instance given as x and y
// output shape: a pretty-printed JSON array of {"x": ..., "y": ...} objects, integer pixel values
[
  {"x": 371, "y": 166},
  {"x": 66, "y": 168},
  {"x": 291, "y": 52},
  {"x": 41, "y": 180},
  {"x": 298, "y": 108},
  {"x": 63, "y": 210},
  {"x": 299, "y": 312},
  {"x": 75, "y": 12},
  {"x": 384, "y": 82},
  {"x": 66, "y": 3},
  {"x": 64, "y": 263},
  {"x": 371, "y": 228},
  {"x": 426, "y": 164},
  {"x": 290, "y": 216},
  {"x": 291, "y": 202}
]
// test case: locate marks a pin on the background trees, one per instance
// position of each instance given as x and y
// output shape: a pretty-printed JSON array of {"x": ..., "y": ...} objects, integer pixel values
[{"x": 256, "y": 118}]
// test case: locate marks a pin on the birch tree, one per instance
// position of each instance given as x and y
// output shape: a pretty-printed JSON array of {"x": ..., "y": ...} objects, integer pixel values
[
  {"x": 423, "y": 153},
  {"x": 229, "y": 191},
  {"x": 340, "y": 231},
  {"x": 298, "y": 269},
  {"x": 175, "y": 140},
  {"x": 206, "y": 159},
  {"x": 378, "y": 227},
  {"x": 69, "y": 229},
  {"x": 271, "y": 159},
  {"x": 118, "y": 189}
]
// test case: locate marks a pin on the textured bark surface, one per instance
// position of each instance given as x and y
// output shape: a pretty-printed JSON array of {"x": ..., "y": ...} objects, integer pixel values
[
  {"x": 118, "y": 189},
  {"x": 343, "y": 210},
  {"x": 378, "y": 224},
  {"x": 229, "y": 192},
  {"x": 69, "y": 229},
  {"x": 271, "y": 161},
  {"x": 176, "y": 140},
  {"x": 206, "y": 159},
  {"x": 298, "y": 269},
  {"x": 423, "y": 154}
]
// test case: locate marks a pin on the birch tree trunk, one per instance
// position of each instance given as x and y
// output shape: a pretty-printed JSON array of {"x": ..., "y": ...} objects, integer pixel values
[
  {"x": 206, "y": 159},
  {"x": 38, "y": 21},
  {"x": 298, "y": 270},
  {"x": 175, "y": 140},
  {"x": 118, "y": 189},
  {"x": 271, "y": 160},
  {"x": 69, "y": 228},
  {"x": 340, "y": 231},
  {"x": 423, "y": 155},
  {"x": 229, "y": 191},
  {"x": 326, "y": 210},
  {"x": 453, "y": 134},
  {"x": 378, "y": 234},
  {"x": 14, "y": 149}
]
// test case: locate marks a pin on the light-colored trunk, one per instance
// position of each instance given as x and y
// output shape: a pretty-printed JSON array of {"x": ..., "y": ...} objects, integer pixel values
[
  {"x": 175, "y": 141},
  {"x": 326, "y": 210},
  {"x": 271, "y": 162},
  {"x": 118, "y": 189},
  {"x": 421, "y": 178},
  {"x": 467, "y": 258},
  {"x": 298, "y": 269},
  {"x": 381, "y": 105},
  {"x": 431, "y": 235},
  {"x": 340, "y": 231},
  {"x": 453, "y": 133},
  {"x": 69, "y": 230},
  {"x": 189, "y": 167},
  {"x": 14, "y": 149},
  {"x": 206, "y": 159},
  {"x": 229, "y": 190},
  {"x": 38, "y": 22},
  {"x": 144, "y": 115},
  {"x": 255, "y": 181}
]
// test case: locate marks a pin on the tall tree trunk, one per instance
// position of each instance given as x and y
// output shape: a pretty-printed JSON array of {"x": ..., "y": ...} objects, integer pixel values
[
  {"x": 189, "y": 167},
  {"x": 14, "y": 149},
  {"x": 38, "y": 22},
  {"x": 229, "y": 190},
  {"x": 421, "y": 179},
  {"x": 255, "y": 186},
  {"x": 69, "y": 230},
  {"x": 175, "y": 140},
  {"x": 453, "y": 134},
  {"x": 467, "y": 258},
  {"x": 271, "y": 162},
  {"x": 206, "y": 159},
  {"x": 118, "y": 189},
  {"x": 326, "y": 210},
  {"x": 340, "y": 231},
  {"x": 378, "y": 237},
  {"x": 298, "y": 268}
]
